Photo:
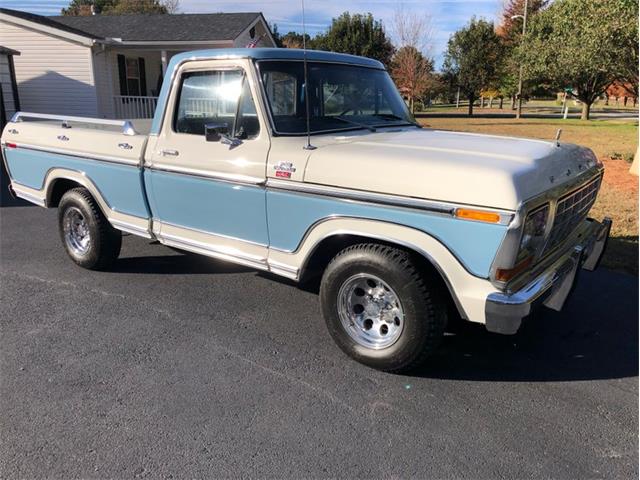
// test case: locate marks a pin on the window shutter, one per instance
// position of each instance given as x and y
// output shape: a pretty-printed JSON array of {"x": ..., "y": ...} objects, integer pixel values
[
  {"x": 143, "y": 77},
  {"x": 122, "y": 75}
]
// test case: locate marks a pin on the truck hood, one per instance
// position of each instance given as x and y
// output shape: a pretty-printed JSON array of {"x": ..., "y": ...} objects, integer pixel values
[{"x": 484, "y": 170}]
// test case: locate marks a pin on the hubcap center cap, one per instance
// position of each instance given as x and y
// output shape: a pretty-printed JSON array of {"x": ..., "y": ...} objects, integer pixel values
[{"x": 370, "y": 311}]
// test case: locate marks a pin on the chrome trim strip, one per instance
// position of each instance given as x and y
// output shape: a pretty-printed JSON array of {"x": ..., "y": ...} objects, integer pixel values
[
  {"x": 28, "y": 194},
  {"x": 220, "y": 176},
  {"x": 20, "y": 192},
  {"x": 283, "y": 269},
  {"x": 161, "y": 224},
  {"x": 444, "y": 208},
  {"x": 129, "y": 227},
  {"x": 72, "y": 153},
  {"x": 216, "y": 252},
  {"x": 127, "y": 127}
]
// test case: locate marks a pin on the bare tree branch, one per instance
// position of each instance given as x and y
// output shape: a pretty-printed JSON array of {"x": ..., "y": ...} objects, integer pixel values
[{"x": 412, "y": 30}]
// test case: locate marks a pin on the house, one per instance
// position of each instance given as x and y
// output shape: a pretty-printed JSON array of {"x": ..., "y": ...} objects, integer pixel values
[
  {"x": 111, "y": 66},
  {"x": 9, "y": 103}
]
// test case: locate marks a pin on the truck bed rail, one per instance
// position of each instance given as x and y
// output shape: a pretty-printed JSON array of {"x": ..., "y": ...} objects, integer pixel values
[{"x": 125, "y": 125}]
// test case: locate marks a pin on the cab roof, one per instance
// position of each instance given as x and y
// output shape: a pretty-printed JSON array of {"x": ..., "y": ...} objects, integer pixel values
[{"x": 276, "y": 54}]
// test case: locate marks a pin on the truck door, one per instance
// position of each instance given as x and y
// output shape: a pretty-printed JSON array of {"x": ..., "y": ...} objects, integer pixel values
[{"x": 208, "y": 195}]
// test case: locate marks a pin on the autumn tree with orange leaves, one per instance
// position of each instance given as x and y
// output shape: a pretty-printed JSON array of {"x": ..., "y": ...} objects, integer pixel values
[{"x": 411, "y": 69}]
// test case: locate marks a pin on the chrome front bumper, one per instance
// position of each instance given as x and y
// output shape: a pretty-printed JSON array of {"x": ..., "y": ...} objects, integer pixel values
[{"x": 504, "y": 311}]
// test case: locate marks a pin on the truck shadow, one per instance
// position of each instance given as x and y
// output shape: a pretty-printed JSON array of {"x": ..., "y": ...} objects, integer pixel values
[
  {"x": 595, "y": 337},
  {"x": 176, "y": 264}
]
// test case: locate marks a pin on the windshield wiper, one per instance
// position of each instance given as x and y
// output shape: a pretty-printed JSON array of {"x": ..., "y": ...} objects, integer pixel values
[
  {"x": 392, "y": 116},
  {"x": 357, "y": 124}
]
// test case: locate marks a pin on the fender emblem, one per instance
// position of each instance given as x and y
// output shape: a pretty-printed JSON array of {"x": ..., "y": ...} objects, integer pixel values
[{"x": 284, "y": 169}]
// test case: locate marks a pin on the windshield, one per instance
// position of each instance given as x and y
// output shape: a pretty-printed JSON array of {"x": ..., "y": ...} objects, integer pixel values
[{"x": 341, "y": 97}]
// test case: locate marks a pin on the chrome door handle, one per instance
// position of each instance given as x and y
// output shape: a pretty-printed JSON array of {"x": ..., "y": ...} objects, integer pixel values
[
  {"x": 64, "y": 138},
  {"x": 173, "y": 153},
  {"x": 125, "y": 146}
]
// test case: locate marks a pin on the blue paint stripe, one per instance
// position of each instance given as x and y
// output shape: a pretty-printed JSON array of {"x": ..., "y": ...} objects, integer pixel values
[
  {"x": 120, "y": 185},
  {"x": 473, "y": 243},
  {"x": 209, "y": 205}
]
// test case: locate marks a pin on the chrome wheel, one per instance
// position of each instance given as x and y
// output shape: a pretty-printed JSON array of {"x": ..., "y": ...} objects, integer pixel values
[
  {"x": 76, "y": 231},
  {"x": 370, "y": 311}
]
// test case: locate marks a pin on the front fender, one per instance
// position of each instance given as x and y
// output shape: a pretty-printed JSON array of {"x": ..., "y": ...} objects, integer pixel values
[{"x": 464, "y": 287}]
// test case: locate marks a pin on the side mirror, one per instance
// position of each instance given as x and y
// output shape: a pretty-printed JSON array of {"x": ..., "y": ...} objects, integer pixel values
[{"x": 213, "y": 132}]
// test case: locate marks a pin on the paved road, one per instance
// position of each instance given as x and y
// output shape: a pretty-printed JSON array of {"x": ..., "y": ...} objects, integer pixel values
[{"x": 176, "y": 366}]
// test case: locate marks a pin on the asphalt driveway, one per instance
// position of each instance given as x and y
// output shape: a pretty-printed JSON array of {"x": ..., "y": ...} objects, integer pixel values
[{"x": 177, "y": 366}]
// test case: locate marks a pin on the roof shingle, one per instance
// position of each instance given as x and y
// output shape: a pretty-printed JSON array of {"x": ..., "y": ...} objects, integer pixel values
[{"x": 149, "y": 27}]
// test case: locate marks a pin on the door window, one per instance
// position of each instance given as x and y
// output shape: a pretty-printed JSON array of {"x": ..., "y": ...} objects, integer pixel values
[{"x": 216, "y": 97}]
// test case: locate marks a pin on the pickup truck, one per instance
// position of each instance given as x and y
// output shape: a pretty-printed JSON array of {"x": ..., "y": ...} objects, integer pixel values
[{"x": 403, "y": 227}]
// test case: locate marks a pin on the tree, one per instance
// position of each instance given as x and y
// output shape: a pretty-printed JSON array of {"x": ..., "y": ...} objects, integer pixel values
[
  {"x": 411, "y": 72},
  {"x": 473, "y": 58},
  {"x": 628, "y": 48},
  {"x": 356, "y": 34},
  {"x": 510, "y": 27},
  {"x": 410, "y": 69},
  {"x": 296, "y": 40},
  {"x": 577, "y": 44},
  {"x": 120, "y": 7},
  {"x": 84, "y": 7},
  {"x": 510, "y": 32},
  {"x": 126, "y": 7}
]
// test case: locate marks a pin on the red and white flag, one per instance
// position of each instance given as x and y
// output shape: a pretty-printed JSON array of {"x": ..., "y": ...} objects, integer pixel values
[{"x": 254, "y": 43}]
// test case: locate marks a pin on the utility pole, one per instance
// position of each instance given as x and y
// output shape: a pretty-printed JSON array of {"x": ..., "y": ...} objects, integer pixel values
[{"x": 524, "y": 30}]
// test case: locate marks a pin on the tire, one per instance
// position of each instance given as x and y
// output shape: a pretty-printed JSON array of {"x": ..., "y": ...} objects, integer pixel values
[
  {"x": 86, "y": 234},
  {"x": 406, "y": 306}
]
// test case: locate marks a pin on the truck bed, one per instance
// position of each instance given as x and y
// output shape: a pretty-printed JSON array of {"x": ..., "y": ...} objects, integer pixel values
[{"x": 103, "y": 155}]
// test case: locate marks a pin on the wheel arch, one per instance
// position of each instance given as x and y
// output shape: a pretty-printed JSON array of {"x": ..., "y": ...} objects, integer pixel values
[
  {"x": 325, "y": 246},
  {"x": 58, "y": 181}
]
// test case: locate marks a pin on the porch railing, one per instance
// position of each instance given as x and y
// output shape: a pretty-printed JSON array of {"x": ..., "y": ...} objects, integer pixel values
[{"x": 131, "y": 106}]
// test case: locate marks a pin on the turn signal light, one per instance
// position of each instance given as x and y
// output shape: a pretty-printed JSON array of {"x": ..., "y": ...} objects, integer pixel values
[
  {"x": 504, "y": 275},
  {"x": 478, "y": 215}
]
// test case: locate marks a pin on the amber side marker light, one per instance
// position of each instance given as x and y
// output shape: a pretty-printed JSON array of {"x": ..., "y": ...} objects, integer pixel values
[
  {"x": 504, "y": 275},
  {"x": 478, "y": 215}
]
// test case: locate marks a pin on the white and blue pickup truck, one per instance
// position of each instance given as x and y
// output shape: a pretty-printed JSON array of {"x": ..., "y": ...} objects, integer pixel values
[{"x": 404, "y": 226}]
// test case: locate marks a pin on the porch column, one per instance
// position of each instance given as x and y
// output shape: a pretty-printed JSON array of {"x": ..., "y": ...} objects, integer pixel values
[{"x": 163, "y": 58}]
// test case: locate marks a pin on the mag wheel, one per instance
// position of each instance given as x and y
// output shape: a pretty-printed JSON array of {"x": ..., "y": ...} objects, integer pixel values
[
  {"x": 380, "y": 308},
  {"x": 86, "y": 234}
]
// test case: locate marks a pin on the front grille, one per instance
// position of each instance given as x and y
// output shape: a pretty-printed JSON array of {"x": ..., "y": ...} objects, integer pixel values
[{"x": 571, "y": 210}]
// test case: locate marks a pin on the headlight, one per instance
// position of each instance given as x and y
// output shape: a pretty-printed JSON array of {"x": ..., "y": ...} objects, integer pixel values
[{"x": 532, "y": 240}]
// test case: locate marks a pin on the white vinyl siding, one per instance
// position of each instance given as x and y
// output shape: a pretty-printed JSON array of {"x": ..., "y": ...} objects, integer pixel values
[
  {"x": 54, "y": 75},
  {"x": 7, "y": 86},
  {"x": 103, "y": 74}
]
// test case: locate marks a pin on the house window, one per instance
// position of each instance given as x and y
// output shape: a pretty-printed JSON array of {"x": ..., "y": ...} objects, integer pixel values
[{"x": 133, "y": 76}]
